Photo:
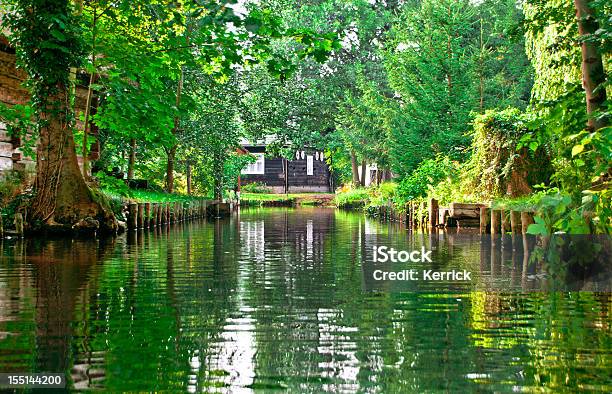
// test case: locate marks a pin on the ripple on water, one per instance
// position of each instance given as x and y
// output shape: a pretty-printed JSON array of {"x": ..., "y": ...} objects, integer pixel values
[{"x": 273, "y": 300}]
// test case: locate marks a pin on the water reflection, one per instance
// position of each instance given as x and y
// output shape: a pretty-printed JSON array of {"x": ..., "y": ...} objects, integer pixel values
[{"x": 274, "y": 299}]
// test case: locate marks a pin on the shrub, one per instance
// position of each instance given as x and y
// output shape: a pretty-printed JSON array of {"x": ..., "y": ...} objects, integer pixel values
[
  {"x": 428, "y": 174},
  {"x": 352, "y": 198},
  {"x": 256, "y": 187},
  {"x": 500, "y": 164}
]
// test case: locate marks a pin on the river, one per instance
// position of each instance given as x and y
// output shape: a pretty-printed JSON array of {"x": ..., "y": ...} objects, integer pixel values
[{"x": 278, "y": 299}]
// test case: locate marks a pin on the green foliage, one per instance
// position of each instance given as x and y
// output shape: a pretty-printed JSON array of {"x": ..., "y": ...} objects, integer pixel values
[
  {"x": 18, "y": 120},
  {"x": 429, "y": 173},
  {"x": 502, "y": 163},
  {"x": 352, "y": 198},
  {"x": 47, "y": 37},
  {"x": 255, "y": 187},
  {"x": 113, "y": 185}
]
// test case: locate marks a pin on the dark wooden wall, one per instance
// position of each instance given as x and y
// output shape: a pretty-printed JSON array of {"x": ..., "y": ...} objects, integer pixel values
[{"x": 297, "y": 179}]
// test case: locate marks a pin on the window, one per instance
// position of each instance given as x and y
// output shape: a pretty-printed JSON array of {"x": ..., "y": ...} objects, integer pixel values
[
  {"x": 309, "y": 165},
  {"x": 258, "y": 167}
]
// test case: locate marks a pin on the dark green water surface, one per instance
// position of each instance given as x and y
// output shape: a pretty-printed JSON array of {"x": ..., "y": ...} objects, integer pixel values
[{"x": 276, "y": 300}]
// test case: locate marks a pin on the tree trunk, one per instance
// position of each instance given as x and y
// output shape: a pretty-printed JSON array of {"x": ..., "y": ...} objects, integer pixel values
[
  {"x": 218, "y": 176},
  {"x": 175, "y": 131},
  {"x": 363, "y": 173},
  {"x": 132, "y": 159},
  {"x": 354, "y": 168},
  {"x": 92, "y": 78},
  {"x": 593, "y": 74},
  {"x": 481, "y": 68},
  {"x": 62, "y": 196},
  {"x": 170, "y": 169},
  {"x": 188, "y": 170}
]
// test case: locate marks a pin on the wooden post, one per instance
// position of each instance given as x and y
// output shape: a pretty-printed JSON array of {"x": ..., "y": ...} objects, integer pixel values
[
  {"x": 147, "y": 219},
  {"x": 140, "y": 215},
  {"x": 433, "y": 212},
  {"x": 526, "y": 220},
  {"x": 153, "y": 219},
  {"x": 158, "y": 221},
  {"x": 515, "y": 222},
  {"x": 423, "y": 217},
  {"x": 505, "y": 221},
  {"x": 485, "y": 219},
  {"x": 495, "y": 217},
  {"x": 19, "y": 223},
  {"x": 132, "y": 220}
]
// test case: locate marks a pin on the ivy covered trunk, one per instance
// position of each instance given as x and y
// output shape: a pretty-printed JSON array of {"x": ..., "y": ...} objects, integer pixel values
[
  {"x": 62, "y": 197},
  {"x": 48, "y": 43}
]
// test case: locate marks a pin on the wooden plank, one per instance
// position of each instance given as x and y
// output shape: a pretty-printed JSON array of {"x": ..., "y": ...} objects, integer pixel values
[
  {"x": 466, "y": 211},
  {"x": 463, "y": 223}
]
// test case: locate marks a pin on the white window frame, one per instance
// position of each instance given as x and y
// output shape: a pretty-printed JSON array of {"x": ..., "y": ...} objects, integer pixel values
[
  {"x": 309, "y": 165},
  {"x": 256, "y": 168}
]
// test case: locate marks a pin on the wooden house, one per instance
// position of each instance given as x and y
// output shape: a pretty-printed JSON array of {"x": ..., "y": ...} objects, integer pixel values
[{"x": 305, "y": 172}]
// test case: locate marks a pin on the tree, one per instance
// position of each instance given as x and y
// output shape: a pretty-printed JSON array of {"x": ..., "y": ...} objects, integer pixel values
[
  {"x": 47, "y": 39},
  {"x": 593, "y": 74},
  {"x": 430, "y": 64}
]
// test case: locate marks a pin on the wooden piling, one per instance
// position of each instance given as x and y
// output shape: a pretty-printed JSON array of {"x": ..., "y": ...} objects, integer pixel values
[
  {"x": 147, "y": 215},
  {"x": 485, "y": 220},
  {"x": 515, "y": 222},
  {"x": 140, "y": 215},
  {"x": 423, "y": 217},
  {"x": 432, "y": 209},
  {"x": 19, "y": 223},
  {"x": 526, "y": 220},
  {"x": 153, "y": 220},
  {"x": 495, "y": 221},
  {"x": 132, "y": 219},
  {"x": 505, "y": 221}
]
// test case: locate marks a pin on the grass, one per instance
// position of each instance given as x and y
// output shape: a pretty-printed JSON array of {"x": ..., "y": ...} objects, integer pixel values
[
  {"x": 525, "y": 203},
  {"x": 152, "y": 196},
  {"x": 352, "y": 198},
  {"x": 302, "y": 198}
]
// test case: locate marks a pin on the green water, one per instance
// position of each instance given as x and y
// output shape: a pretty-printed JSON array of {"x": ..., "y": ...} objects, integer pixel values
[{"x": 274, "y": 299}]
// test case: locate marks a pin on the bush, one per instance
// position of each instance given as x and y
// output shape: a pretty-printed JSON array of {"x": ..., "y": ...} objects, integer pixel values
[
  {"x": 352, "y": 198},
  {"x": 256, "y": 187},
  {"x": 428, "y": 174},
  {"x": 500, "y": 165}
]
